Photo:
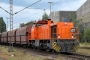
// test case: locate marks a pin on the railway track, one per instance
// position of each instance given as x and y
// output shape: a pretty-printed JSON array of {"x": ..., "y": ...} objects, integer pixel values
[
  {"x": 78, "y": 56},
  {"x": 53, "y": 56},
  {"x": 84, "y": 47}
]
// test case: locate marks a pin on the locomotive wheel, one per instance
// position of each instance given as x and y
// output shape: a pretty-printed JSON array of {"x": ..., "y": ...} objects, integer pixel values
[
  {"x": 48, "y": 49},
  {"x": 53, "y": 51}
]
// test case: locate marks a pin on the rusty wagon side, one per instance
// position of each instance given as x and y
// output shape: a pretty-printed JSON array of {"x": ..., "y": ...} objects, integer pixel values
[{"x": 23, "y": 35}]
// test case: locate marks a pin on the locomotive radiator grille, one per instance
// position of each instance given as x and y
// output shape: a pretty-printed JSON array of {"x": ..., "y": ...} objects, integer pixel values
[
  {"x": 56, "y": 47},
  {"x": 76, "y": 47}
]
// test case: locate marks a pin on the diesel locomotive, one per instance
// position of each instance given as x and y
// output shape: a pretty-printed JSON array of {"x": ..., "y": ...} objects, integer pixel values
[{"x": 45, "y": 34}]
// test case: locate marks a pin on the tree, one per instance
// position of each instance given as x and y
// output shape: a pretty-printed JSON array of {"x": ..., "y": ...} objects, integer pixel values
[
  {"x": 23, "y": 24},
  {"x": 45, "y": 16},
  {"x": 81, "y": 32},
  {"x": 31, "y": 22},
  {"x": 86, "y": 36},
  {"x": 2, "y": 25},
  {"x": 74, "y": 19}
]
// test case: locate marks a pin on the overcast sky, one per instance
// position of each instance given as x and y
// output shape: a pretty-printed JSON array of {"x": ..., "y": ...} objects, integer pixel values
[{"x": 35, "y": 14}]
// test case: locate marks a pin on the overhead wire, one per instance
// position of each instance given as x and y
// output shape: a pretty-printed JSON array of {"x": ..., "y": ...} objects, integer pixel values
[
  {"x": 38, "y": 12},
  {"x": 27, "y": 7},
  {"x": 29, "y": 16}
]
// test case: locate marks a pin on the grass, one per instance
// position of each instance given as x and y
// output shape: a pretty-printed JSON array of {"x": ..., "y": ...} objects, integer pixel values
[
  {"x": 84, "y": 51},
  {"x": 84, "y": 44},
  {"x": 19, "y": 55}
]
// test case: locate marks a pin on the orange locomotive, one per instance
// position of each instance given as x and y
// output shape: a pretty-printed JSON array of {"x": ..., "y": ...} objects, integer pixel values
[
  {"x": 45, "y": 34},
  {"x": 60, "y": 36}
]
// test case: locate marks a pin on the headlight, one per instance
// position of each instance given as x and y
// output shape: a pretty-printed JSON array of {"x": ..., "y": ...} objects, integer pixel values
[
  {"x": 72, "y": 36},
  {"x": 58, "y": 35},
  {"x": 73, "y": 30}
]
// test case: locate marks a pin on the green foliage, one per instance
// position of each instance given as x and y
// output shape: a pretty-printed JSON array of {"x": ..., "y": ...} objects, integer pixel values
[
  {"x": 45, "y": 16},
  {"x": 81, "y": 32},
  {"x": 22, "y": 24},
  {"x": 74, "y": 19},
  {"x": 2, "y": 25},
  {"x": 31, "y": 22},
  {"x": 87, "y": 35}
]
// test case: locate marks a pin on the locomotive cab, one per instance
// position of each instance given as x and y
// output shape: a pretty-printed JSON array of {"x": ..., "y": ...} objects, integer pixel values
[{"x": 65, "y": 37}]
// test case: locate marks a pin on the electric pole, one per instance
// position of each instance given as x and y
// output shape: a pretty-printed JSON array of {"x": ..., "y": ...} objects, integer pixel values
[
  {"x": 7, "y": 23},
  {"x": 50, "y": 7},
  {"x": 11, "y": 25},
  {"x": 11, "y": 15}
]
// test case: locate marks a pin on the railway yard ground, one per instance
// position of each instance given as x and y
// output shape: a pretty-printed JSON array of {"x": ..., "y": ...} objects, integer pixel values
[
  {"x": 30, "y": 54},
  {"x": 84, "y": 44}
]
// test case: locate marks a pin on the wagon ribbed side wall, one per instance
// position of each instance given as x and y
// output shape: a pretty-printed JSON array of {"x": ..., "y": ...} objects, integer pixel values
[
  {"x": 11, "y": 36},
  {"x": 4, "y": 37},
  {"x": 21, "y": 36},
  {"x": 17, "y": 37}
]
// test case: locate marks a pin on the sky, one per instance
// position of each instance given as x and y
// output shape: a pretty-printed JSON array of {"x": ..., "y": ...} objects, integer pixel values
[{"x": 35, "y": 11}]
